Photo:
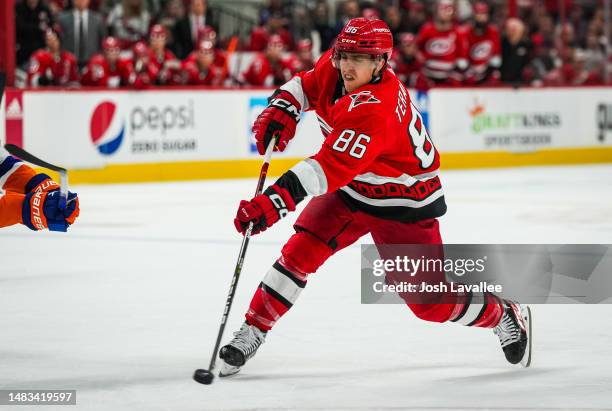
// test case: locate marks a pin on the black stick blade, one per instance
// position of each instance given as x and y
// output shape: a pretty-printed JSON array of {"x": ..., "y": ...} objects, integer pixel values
[
  {"x": 203, "y": 376},
  {"x": 24, "y": 155}
]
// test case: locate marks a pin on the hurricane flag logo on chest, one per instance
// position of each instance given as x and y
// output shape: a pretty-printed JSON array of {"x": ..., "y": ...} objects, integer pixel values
[
  {"x": 363, "y": 97},
  {"x": 106, "y": 128}
]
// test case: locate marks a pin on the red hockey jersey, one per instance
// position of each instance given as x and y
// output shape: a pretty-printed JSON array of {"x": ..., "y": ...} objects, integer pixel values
[
  {"x": 377, "y": 151},
  {"x": 47, "y": 69},
  {"x": 444, "y": 52},
  {"x": 262, "y": 73},
  {"x": 99, "y": 73},
  {"x": 484, "y": 52}
]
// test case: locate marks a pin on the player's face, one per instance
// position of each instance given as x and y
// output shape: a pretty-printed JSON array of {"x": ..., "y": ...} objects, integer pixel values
[
  {"x": 52, "y": 41},
  {"x": 356, "y": 69}
]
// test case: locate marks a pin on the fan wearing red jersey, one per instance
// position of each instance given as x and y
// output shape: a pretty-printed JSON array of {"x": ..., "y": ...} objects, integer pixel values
[
  {"x": 376, "y": 173},
  {"x": 108, "y": 69},
  {"x": 201, "y": 70},
  {"x": 268, "y": 68},
  {"x": 52, "y": 66},
  {"x": 168, "y": 66},
  {"x": 484, "y": 49},
  {"x": 32, "y": 199},
  {"x": 443, "y": 47},
  {"x": 406, "y": 63}
]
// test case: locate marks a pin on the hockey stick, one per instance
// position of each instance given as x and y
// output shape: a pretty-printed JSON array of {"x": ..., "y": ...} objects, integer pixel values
[
  {"x": 207, "y": 376},
  {"x": 24, "y": 155}
]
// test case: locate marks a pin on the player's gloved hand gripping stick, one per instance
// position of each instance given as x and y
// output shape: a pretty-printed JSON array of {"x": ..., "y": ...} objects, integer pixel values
[
  {"x": 204, "y": 376},
  {"x": 65, "y": 197}
]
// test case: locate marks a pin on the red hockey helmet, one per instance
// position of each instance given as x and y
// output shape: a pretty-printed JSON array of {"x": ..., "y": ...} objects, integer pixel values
[
  {"x": 207, "y": 33},
  {"x": 110, "y": 44},
  {"x": 481, "y": 8},
  {"x": 157, "y": 30},
  {"x": 276, "y": 40},
  {"x": 304, "y": 45},
  {"x": 206, "y": 46},
  {"x": 361, "y": 35}
]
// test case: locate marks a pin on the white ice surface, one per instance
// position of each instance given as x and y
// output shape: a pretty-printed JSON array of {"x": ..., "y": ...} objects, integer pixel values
[{"x": 127, "y": 305}]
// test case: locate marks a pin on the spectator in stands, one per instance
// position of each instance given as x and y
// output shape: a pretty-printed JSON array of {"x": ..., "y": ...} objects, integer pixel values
[
  {"x": 51, "y": 66},
  {"x": 200, "y": 70},
  {"x": 322, "y": 27},
  {"x": 108, "y": 69},
  {"x": 594, "y": 56},
  {"x": 303, "y": 60},
  {"x": 348, "y": 9},
  {"x": 145, "y": 70},
  {"x": 572, "y": 71},
  {"x": 516, "y": 49},
  {"x": 186, "y": 30},
  {"x": 260, "y": 36},
  {"x": 443, "y": 47},
  {"x": 152, "y": 6},
  {"x": 173, "y": 11},
  {"x": 301, "y": 26},
  {"x": 129, "y": 22},
  {"x": 407, "y": 64},
  {"x": 417, "y": 17},
  {"x": 275, "y": 8},
  {"x": 83, "y": 31},
  {"x": 168, "y": 66},
  {"x": 484, "y": 48},
  {"x": 395, "y": 20},
  {"x": 540, "y": 65},
  {"x": 32, "y": 19},
  {"x": 268, "y": 68}
]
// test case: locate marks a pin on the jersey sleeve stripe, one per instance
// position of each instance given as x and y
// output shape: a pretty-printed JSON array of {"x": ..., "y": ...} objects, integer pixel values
[
  {"x": 311, "y": 176},
  {"x": 7, "y": 168},
  {"x": 294, "y": 86}
]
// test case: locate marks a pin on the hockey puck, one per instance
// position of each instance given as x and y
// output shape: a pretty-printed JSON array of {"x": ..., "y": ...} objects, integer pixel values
[{"x": 203, "y": 376}]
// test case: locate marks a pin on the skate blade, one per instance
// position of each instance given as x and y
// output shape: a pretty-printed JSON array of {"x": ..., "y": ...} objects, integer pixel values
[
  {"x": 228, "y": 370},
  {"x": 526, "y": 314}
]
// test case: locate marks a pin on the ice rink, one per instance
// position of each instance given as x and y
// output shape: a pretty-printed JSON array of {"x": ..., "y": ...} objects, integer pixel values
[{"x": 127, "y": 305}]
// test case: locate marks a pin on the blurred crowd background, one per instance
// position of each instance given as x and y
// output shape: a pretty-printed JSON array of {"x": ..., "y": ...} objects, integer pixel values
[{"x": 449, "y": 43}]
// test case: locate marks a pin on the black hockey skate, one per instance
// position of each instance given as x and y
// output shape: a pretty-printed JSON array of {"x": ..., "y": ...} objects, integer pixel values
[
  {"x": 242, "y": 348},
  {"x": 514, "y": 333}
]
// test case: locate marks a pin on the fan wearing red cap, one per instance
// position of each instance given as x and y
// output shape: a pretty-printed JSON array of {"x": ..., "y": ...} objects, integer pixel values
[
  {"x": 407, "y": 64},
  {"x": 108, "y": 69},
  {"x": 270, "y": 67},
  {"x": 443, "y": 47},
  {"x": 199, "y": 69},
  {"x": 303, "y": 58},
  {"x": 52, "y": 66},
  {"x": 167, "y": 64},
  {"x": 145, "y": 72},
  {"x": 484, "y": 48}
]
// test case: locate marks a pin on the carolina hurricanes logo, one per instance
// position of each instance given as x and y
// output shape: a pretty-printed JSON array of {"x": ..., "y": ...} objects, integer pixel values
[
  {"x": 363, "y": 97},
  {"x": 441, "y": 46},
  {"x": 482, "y": 50}
]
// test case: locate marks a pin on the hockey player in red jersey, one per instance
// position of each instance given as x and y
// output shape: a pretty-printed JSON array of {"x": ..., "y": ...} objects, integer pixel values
[
  {"x": 200, "y": 70},
  {"x": 443, "y": 47},
  {"x": 168, "y": 66},
  {"x": 376, "y": 172},
  {"x": 52, "y": 66},
  {"x": 484, "y": 49},
  {"x": 406, "y": 63},
  {"x": 32, "y": 199},
  {"x": 268, "y": 68},
  {"x": 108, "y": 69}
]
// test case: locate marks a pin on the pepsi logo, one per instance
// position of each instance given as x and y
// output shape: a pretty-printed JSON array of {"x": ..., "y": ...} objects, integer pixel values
[
  {"x": 481, "y": 50},
  {"x": 106, "y": 128},
  {"x": 440, "y": 46}
]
